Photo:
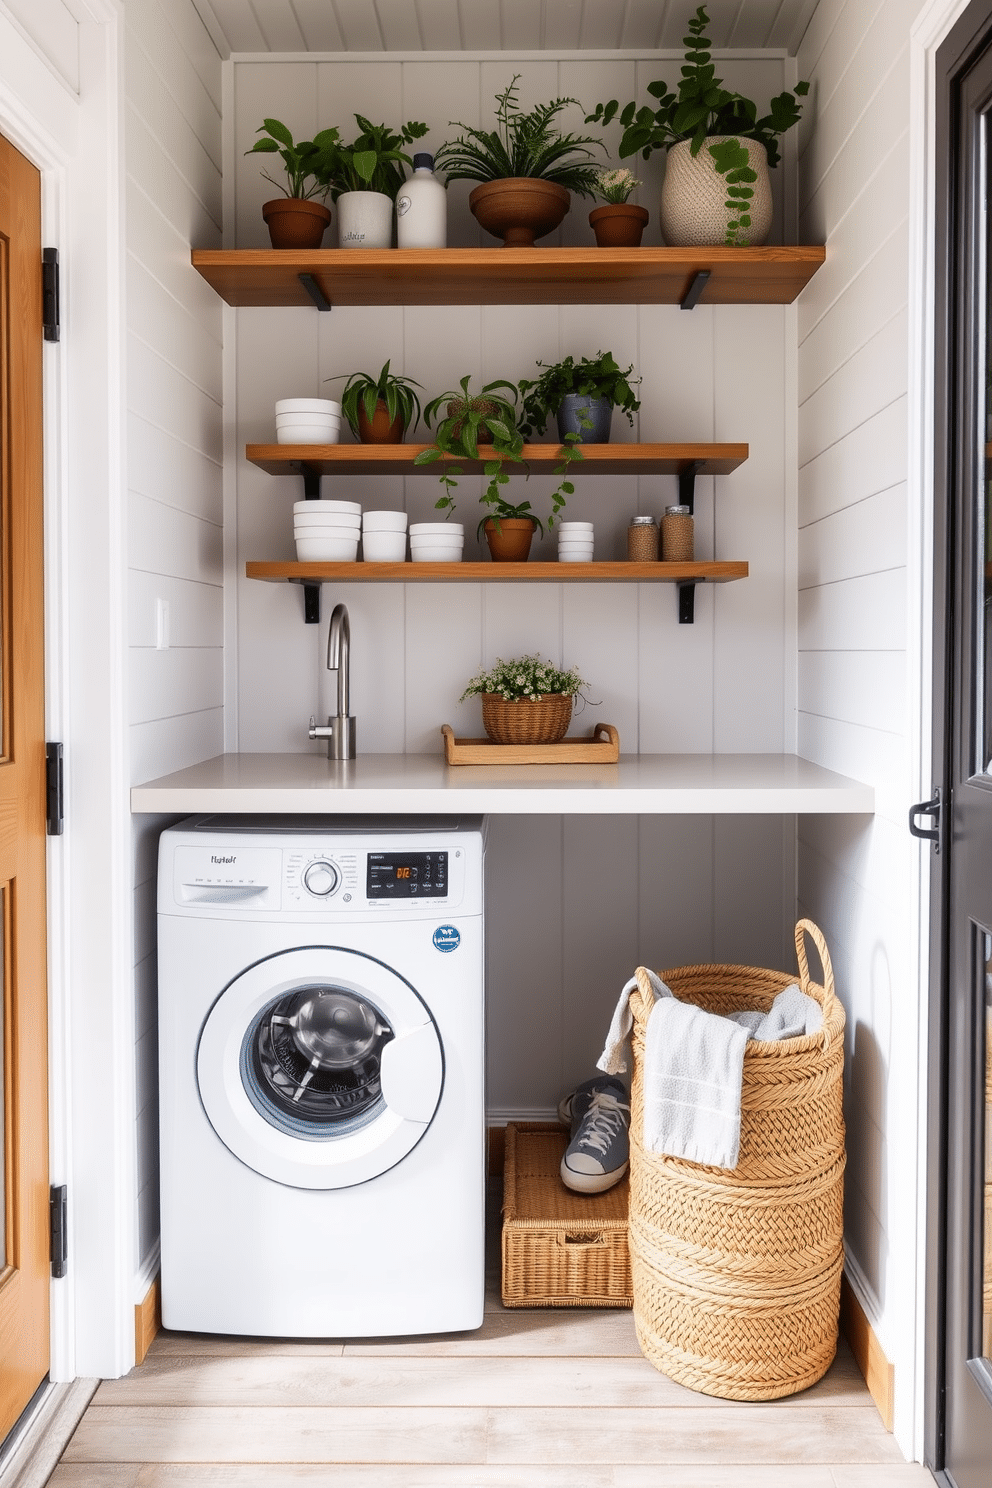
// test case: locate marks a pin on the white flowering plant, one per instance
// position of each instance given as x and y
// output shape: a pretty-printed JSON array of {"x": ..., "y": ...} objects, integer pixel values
[
  {"x": 528, "y": 678},
  {"x": 614, "y": 186}
]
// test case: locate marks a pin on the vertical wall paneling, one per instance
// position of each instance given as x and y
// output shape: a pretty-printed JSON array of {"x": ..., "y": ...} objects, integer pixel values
[
  {"x": 573, "y": 905},
  {"x": 175, "y": 514},
  {"x": 853, "y": 375}
]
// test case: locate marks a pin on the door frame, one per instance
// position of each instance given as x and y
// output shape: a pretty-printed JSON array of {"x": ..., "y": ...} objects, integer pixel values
[{"x": 75, "y": 140}]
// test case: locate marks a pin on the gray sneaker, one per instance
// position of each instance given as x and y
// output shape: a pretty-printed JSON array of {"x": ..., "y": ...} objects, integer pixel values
[{"x": 599, "y": 1115}]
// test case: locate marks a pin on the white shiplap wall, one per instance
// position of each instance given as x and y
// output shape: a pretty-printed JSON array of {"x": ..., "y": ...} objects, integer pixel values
[
  {"x": 855, "y": 875},
  {"x": 588, "y": 899},
  {"x": 174, "y": 409},
  {"x": 51, "y": 28}
]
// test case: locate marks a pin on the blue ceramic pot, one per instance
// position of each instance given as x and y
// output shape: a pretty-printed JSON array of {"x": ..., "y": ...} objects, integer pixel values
[{"x": 599, "y": 410}]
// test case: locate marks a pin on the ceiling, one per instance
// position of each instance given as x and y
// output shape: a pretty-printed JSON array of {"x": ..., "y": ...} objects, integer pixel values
[{"x": 493, "y": 25}]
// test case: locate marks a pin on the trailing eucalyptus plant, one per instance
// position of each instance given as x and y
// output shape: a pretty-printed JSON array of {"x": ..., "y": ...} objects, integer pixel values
[
  {"x": 456, "y": 437},
  {"x": 701, "y": 108}
]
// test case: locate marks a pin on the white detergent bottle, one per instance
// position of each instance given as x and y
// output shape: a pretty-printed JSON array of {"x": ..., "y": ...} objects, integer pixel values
[{"x": 422, "y": 208}]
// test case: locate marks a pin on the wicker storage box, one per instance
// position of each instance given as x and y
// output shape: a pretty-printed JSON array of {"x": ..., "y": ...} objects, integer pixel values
[
  {"x": 737, "y": 1273},
  {"x": 560, "y": 1249}
]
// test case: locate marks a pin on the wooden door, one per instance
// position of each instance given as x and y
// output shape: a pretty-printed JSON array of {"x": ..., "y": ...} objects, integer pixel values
[{"x": 24, "y": 1240}]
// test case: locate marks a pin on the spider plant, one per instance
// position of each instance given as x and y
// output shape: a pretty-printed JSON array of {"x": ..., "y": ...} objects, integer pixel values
[
  {"x": 362, "y": 392},
  {"x": 524, "y": 143}
]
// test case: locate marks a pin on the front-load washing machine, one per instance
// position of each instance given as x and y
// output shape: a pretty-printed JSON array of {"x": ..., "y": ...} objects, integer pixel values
[{"x": 321, "y": 1070}]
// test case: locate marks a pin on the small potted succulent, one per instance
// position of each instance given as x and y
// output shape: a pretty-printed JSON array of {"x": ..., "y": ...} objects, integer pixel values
[
  {"x": 720, "y": 194},
  {"x": 298, "y": 218},
  {"x": 526, "y": 701},
  {"x": 379, "y": 409},
  {"x": 525, "y": 166},
  {"x": 580, "y": 395},
  {"x": 486, "y": 418},
  {"x": 365, "y": 178},
  {"x": 619, "y": 223}
]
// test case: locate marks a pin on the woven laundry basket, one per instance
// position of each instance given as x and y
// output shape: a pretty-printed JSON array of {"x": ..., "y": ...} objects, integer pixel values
[{"x": 736, "y": 1273}]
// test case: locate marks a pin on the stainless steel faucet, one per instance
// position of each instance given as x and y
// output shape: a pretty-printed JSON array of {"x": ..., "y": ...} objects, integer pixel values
[{"x": 340, "y": 730}]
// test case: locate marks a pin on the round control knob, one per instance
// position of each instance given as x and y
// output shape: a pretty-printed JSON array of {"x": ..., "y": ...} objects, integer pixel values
[{"x": 321, "y": 878}]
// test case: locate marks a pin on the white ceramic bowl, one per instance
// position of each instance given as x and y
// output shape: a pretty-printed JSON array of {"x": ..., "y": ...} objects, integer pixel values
[
  {"x": 309, "y": 508},
  {"x": 384, "y": 547},
  {"x": 430, "y": 553},
  {"x": 308, "y": 434},
  {"x": 575, "y": 555},
  {"x": 437, "y": 529},
  {"x": 326, "y": 534},
  {"x": 308, "y": 418},
  {"x": 384, "y": 521},
  {"x": 327, "y": 549},
  {"x": 326, "y": 520},
  {"x": 574, "y": 528},
  {"x": 307, "y": 405},
  {"x": 575, "y": 542}
]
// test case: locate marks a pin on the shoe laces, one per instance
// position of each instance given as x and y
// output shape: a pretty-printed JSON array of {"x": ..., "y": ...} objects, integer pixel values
[{"x": 602, "y": 1121}]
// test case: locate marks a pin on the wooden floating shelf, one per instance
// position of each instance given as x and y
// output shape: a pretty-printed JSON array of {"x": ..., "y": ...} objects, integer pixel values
[
  {"x": 508, "y": 276},
  {"x": 506, "y": 573},
  {"x": 597, "y": 459}
]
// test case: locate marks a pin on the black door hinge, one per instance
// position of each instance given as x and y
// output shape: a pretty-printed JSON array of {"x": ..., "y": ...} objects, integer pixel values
[
  {"x": 50, "y": 292},
  {"x": 927, "y": 808},
  {"x": 58, "y": 1209},
  {"x": 54, "y": 796}
]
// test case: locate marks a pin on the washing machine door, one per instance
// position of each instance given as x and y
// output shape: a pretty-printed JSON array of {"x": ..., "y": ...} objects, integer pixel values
[{"x": 320, "y": 1067}]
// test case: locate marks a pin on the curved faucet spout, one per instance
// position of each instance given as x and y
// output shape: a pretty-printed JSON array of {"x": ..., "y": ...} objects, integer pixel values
[{"x": 339, "y": 655}]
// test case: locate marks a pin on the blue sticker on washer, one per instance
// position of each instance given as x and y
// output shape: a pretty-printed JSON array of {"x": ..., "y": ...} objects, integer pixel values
[{"x": 447, "y": 938}]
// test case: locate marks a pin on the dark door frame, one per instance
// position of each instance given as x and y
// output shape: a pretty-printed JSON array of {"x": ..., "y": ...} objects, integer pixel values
[{"x": 954, "y": 265}]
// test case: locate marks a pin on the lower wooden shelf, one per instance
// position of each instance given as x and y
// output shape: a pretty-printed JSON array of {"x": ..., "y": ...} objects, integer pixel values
[{"x": 496, "y": 573}]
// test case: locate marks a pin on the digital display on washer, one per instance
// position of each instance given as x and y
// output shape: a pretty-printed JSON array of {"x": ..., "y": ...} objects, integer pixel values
[{"x": 418, "y": 875}]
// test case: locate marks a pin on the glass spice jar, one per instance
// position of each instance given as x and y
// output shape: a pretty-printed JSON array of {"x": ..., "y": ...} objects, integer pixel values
[
  {"x": 642, "y": 540},
  {"x": 676, "y": 535}
]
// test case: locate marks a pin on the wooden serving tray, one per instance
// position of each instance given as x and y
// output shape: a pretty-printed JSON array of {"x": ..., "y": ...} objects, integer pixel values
[{"x": 603, "y": 748}]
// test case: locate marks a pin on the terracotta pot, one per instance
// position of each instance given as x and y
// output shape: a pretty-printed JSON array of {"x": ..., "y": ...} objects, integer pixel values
[
  {"x": 618, "y": 225},
  {"x": 525, "y": 722},
  {"x": 478, "y": 405},
  {"x": 519, "y": 209},
  {"x": 510, "y": 540},
  {"x": 694, "y": 196},
  {"x": 294, "y": 223},
  {"x": 381, "y": 429}
]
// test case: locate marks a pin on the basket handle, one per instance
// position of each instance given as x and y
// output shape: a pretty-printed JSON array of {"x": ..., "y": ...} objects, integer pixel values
[
  {"x": 583, "y": 1239},
  {"x": 804, "y": 928}
]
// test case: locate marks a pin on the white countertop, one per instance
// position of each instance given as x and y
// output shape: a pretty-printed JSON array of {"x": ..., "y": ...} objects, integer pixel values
[{"x": 380, "y": 784}]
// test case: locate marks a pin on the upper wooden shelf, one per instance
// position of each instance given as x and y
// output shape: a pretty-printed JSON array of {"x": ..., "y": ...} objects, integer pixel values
[
  {"x": 507, "y": 276},
  {"x": 597, "y": 459},
  {"x": 607, "y": 572}
]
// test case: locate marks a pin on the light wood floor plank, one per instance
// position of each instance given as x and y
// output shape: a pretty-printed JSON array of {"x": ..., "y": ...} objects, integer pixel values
[
  {"x": 359, "y": 1475},
  {"x": 96, "y": 1475},
  {"x": 637, "y": 1475},
  {"x": 899, "y": 1475},
  {"x": 356, "y": 1380},
  {"x": 565, "y": 1333},
  {"x": 208, "y": 1345},
  {"x": 210, "y": 1434},
  {"x": 763, "y": 1434}
]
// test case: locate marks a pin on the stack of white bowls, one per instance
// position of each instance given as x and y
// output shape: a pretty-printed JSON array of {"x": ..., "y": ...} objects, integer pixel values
[
  {"x": 436, "y": 542},
  {"x": 307, "y": 421},
  {"x": 384, "y": 536},
  {"x": 327, "y": 531},
  {"x": 575, "y": 541}
]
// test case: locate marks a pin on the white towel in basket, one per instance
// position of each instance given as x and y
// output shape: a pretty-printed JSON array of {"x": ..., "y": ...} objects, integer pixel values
[{"x": 693, "y": 1067}]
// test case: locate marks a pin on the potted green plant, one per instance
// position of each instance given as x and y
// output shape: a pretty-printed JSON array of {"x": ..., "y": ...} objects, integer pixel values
[
  {"x": 618, "y": 223},
  {"x": 379, "y": 409},
  {"x": 580, "y": 395},
  {"x": 526, "y": 168},
  {"x": 526, "y": 700},
  {"x": 365, "y": 178},
  {"x": 298, "y": 218},
  {"x": 486, "y": 418},
  {"x": 720, "y": 194}
]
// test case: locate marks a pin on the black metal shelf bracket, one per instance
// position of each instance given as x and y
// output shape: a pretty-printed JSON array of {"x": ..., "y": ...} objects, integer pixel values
[
  {"x": 311, "y": 492},
  {"x": 687, "y": 483},
  {"x": 697, "y": 284},
  {"x": 315, "y": 292},
  {"x": 687, "y": 603}
]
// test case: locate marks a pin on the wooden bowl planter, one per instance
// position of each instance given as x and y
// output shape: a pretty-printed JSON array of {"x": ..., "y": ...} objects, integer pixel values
[
  {"x": 618, "y": 225},
  {"x": 296, "y": 223},
  {"x": 509, "y": 539},
  {"x": 519, "y": 208},
  {"x": 526, "y": 722},
  {"x": 380, "y": 429}
]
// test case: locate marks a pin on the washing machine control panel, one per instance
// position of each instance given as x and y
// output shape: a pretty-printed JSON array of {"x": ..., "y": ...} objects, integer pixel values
[
  {"x": 317, "y": 879},
  {"x": 407, "y": 875}
]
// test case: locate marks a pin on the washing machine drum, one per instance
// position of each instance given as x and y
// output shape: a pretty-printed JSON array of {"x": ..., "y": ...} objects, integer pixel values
[{"x": 320, "y": 1067}]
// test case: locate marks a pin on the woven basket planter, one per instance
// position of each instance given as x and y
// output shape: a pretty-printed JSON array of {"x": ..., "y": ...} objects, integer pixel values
[
  {"x": 526, "y": 722},
  {"x": 736, "y": 1274}
]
